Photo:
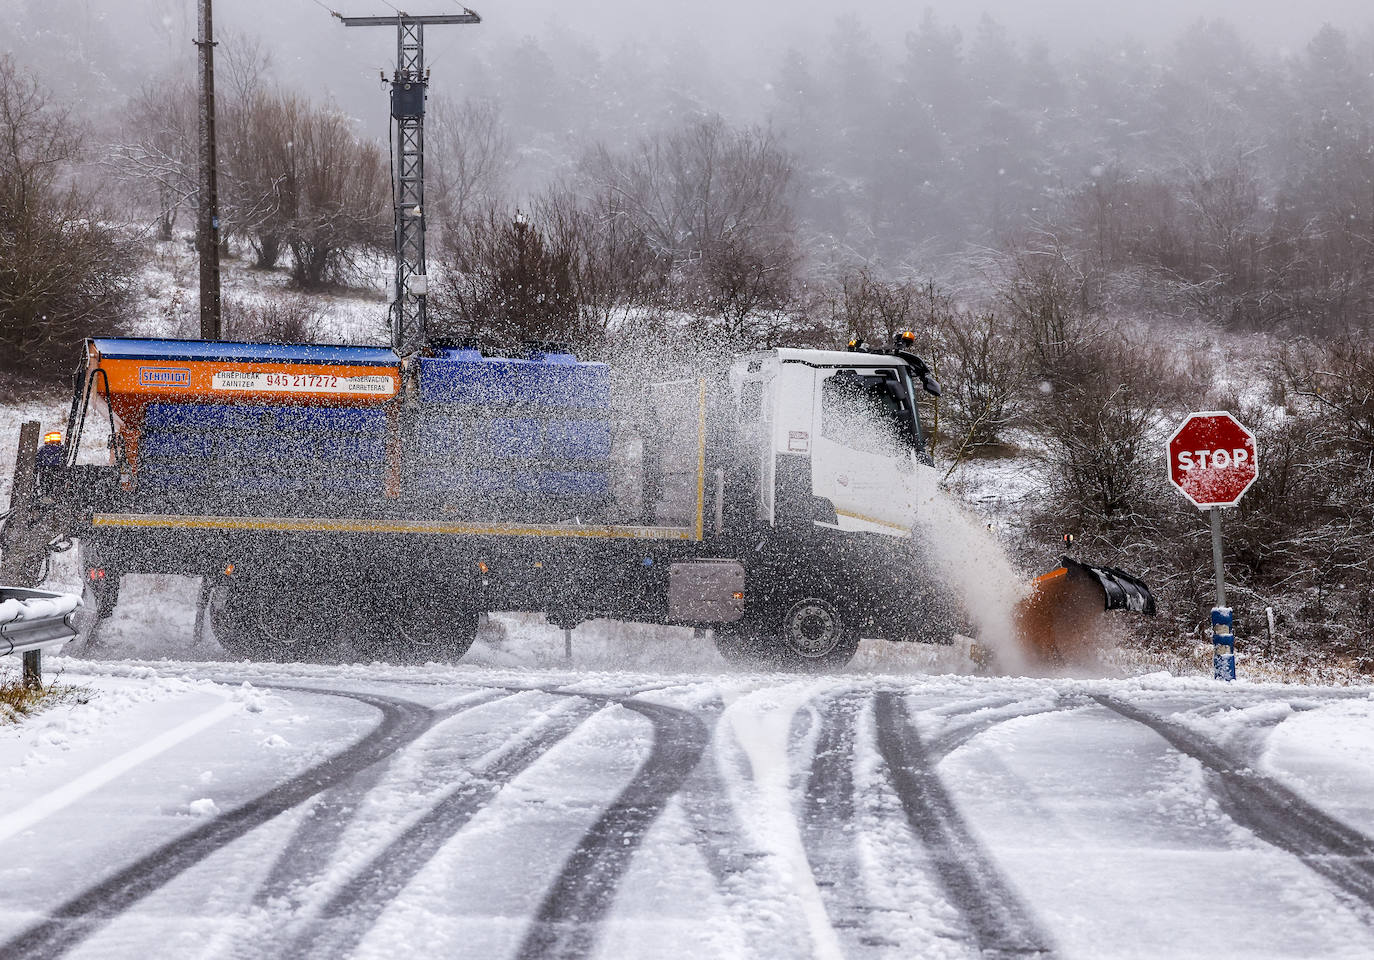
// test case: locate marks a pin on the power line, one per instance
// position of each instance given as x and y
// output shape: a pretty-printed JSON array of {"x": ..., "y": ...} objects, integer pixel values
[{"x": 332, "y": 13}]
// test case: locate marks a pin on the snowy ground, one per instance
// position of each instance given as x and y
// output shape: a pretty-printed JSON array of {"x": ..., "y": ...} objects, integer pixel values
[
  {"x": 196, "y": 808},
  {"x": 169, "y": 306}
]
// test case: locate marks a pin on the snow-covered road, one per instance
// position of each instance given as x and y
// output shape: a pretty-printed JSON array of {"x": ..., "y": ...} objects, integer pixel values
[{"x": 254, "y": 810}]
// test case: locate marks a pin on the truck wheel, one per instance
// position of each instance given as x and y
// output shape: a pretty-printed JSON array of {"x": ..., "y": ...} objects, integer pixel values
[
  {"x": 814, "y": 634},
  {"x": 88, "y": 622},
  {"x": 740, "y": 647},
  {"x": 232, "y": 624},
  {"x": 443, "y": 638},
  {"x": 810, "y": 634},
  {"x": 256, "y": 623}
]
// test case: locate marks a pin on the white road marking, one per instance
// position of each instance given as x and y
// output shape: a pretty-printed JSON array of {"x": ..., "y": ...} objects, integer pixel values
[{"x": 67, "y": 794}]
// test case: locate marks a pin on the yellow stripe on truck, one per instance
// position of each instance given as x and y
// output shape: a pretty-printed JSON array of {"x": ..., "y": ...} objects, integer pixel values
[
  {"x": 348, "y": 525},
  {"x": 873, "y": 520}
]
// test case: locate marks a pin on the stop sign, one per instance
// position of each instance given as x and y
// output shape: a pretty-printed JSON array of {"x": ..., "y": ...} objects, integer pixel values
[{"x": 1212, "y": 459}]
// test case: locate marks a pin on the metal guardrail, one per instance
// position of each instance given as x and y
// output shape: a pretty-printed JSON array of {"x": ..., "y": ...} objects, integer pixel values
[{"x": 32, "y": 620}]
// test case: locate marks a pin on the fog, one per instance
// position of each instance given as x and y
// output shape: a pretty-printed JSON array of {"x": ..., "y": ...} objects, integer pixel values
[{"x": 103, "y": 47}]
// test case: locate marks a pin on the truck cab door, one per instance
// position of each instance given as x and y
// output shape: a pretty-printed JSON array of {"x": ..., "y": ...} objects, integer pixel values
[{"x": 864, "y": 451}]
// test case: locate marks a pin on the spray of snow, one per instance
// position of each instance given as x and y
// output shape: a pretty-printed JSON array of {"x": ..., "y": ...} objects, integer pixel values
[{"x": 970, "y": 561}]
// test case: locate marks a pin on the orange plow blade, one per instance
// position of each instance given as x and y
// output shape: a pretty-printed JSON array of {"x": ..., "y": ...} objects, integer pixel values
[{"x": 1059, "y": 623}]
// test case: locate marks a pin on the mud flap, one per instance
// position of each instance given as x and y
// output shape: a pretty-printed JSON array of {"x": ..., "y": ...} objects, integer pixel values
[
  {"x": 24, "y": 530},
  {"x": 1059, "y": 622}
]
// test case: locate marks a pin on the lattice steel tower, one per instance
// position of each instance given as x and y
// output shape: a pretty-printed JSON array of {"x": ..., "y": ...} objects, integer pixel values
[{"x": 408, "y": 87}]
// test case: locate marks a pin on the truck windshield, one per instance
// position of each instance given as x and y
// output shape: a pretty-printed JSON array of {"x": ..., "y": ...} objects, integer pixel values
[{"x": 872, "y": 411}]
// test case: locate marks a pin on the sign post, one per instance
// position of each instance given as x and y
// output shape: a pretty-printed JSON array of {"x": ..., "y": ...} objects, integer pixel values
[{"x": 1212, "y": 462}]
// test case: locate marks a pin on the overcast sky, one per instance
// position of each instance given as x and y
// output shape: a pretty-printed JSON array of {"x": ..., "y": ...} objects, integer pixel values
[
  {"x": 745, "y": 36},
  {"x": 1269, "y": 22},
  {"x": 749, "y": 23},
  {"x": 739, "y": 41}
]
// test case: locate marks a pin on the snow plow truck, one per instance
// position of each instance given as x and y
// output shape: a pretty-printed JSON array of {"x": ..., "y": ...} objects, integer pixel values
[{"x": 345, "y": 491}]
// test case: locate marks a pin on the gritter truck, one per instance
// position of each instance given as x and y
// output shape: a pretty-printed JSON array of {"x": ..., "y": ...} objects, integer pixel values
[{"x": 336, "y": 493}]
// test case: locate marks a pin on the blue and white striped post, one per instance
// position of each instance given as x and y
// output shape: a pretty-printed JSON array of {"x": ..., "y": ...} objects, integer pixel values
[
  {"x": 1223, "y": 645},
  {"x": 1223, "y": 639}
]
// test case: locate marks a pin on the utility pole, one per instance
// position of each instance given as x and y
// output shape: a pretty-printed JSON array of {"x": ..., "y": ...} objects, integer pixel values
[
  {"x": 207, "y": 220},
  {"x": 408, "y": 88}
]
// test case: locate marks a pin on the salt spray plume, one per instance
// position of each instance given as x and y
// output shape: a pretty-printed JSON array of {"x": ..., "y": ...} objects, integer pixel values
[{"x": 968, "y": 559}]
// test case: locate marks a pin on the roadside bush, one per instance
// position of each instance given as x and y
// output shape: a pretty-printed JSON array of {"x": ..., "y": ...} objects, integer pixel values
[
  {"x": 18, "y": 700},
  {"x": 506, "y": 283},
  {"x": 288, "y": 319},
  {"x": 65, "y": 271},
  {"x": 1102, "y": 412}
]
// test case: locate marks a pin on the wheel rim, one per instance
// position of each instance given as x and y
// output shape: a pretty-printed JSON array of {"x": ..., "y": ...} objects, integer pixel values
[{"x": 812, "y": 628}]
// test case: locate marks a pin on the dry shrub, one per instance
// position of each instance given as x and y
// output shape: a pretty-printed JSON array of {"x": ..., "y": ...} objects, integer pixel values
[
  {"x": 984, "y": 390},
  {"x": 18, "y": 700},
  {"x": 283, "y": 319},
  {"x": 65, "y": 273},
  {"x": 1104, "y": 408}
]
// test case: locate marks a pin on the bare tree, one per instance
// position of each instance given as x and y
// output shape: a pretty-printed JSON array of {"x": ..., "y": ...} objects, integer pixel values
[
  {"x": 613, "y": 269},
  {"x": 1053, "y": 295},
  {"x": 983, "y": 389},
  {"x": 337, "y": 186},
  {"x": 243, "y": 64},
  {"x": 298, "y": 178},
  {"x": 63, "y": 272},
  {"x": 715, "y": 202},
  {"x": 876, "y": 309},
  {"x": 471, "y": 158},
  {"x": 255, "y": 188},
  {"x": 158, "y": 158}
]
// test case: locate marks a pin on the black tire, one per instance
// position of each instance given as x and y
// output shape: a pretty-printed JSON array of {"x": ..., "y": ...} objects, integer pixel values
[
  {"x": 440, "y": 634},
  {"x": 741, "y": 647},
  {"x": 806, "y": 634},
  {"x": 815, "y": 634},
  {"x": 254, "y": 624},
  {"x": 231, "y": 623}
]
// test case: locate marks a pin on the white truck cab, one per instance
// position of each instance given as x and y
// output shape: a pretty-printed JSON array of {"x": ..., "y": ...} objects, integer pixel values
[{"x": 838, "y": 428}]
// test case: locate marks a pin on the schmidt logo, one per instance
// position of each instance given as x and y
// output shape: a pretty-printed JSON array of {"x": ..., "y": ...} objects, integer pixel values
[{"x": 164, "y": 377}]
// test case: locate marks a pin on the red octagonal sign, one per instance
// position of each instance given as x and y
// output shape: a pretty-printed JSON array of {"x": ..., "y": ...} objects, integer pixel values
[{"x": 1212, "y": 459}]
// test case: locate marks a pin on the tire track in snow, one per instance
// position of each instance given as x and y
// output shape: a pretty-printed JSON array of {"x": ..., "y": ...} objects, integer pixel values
[
  {"x": 832, "y": 804},
  {"x": 762, "y": 727},
  {"x": 72, "y": 922},
  {"x": 1273, "y": 812},
  {"x": 353, "y": 910},
  {"x": 307, "y": 854},
  {"x": 947, "y": 741},
  {"x": 828, "y": 818},
  {"x": 579, "y": 899},
  {"x": 1000, "y": 922},
  {"x": 730, "y": 854}
]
